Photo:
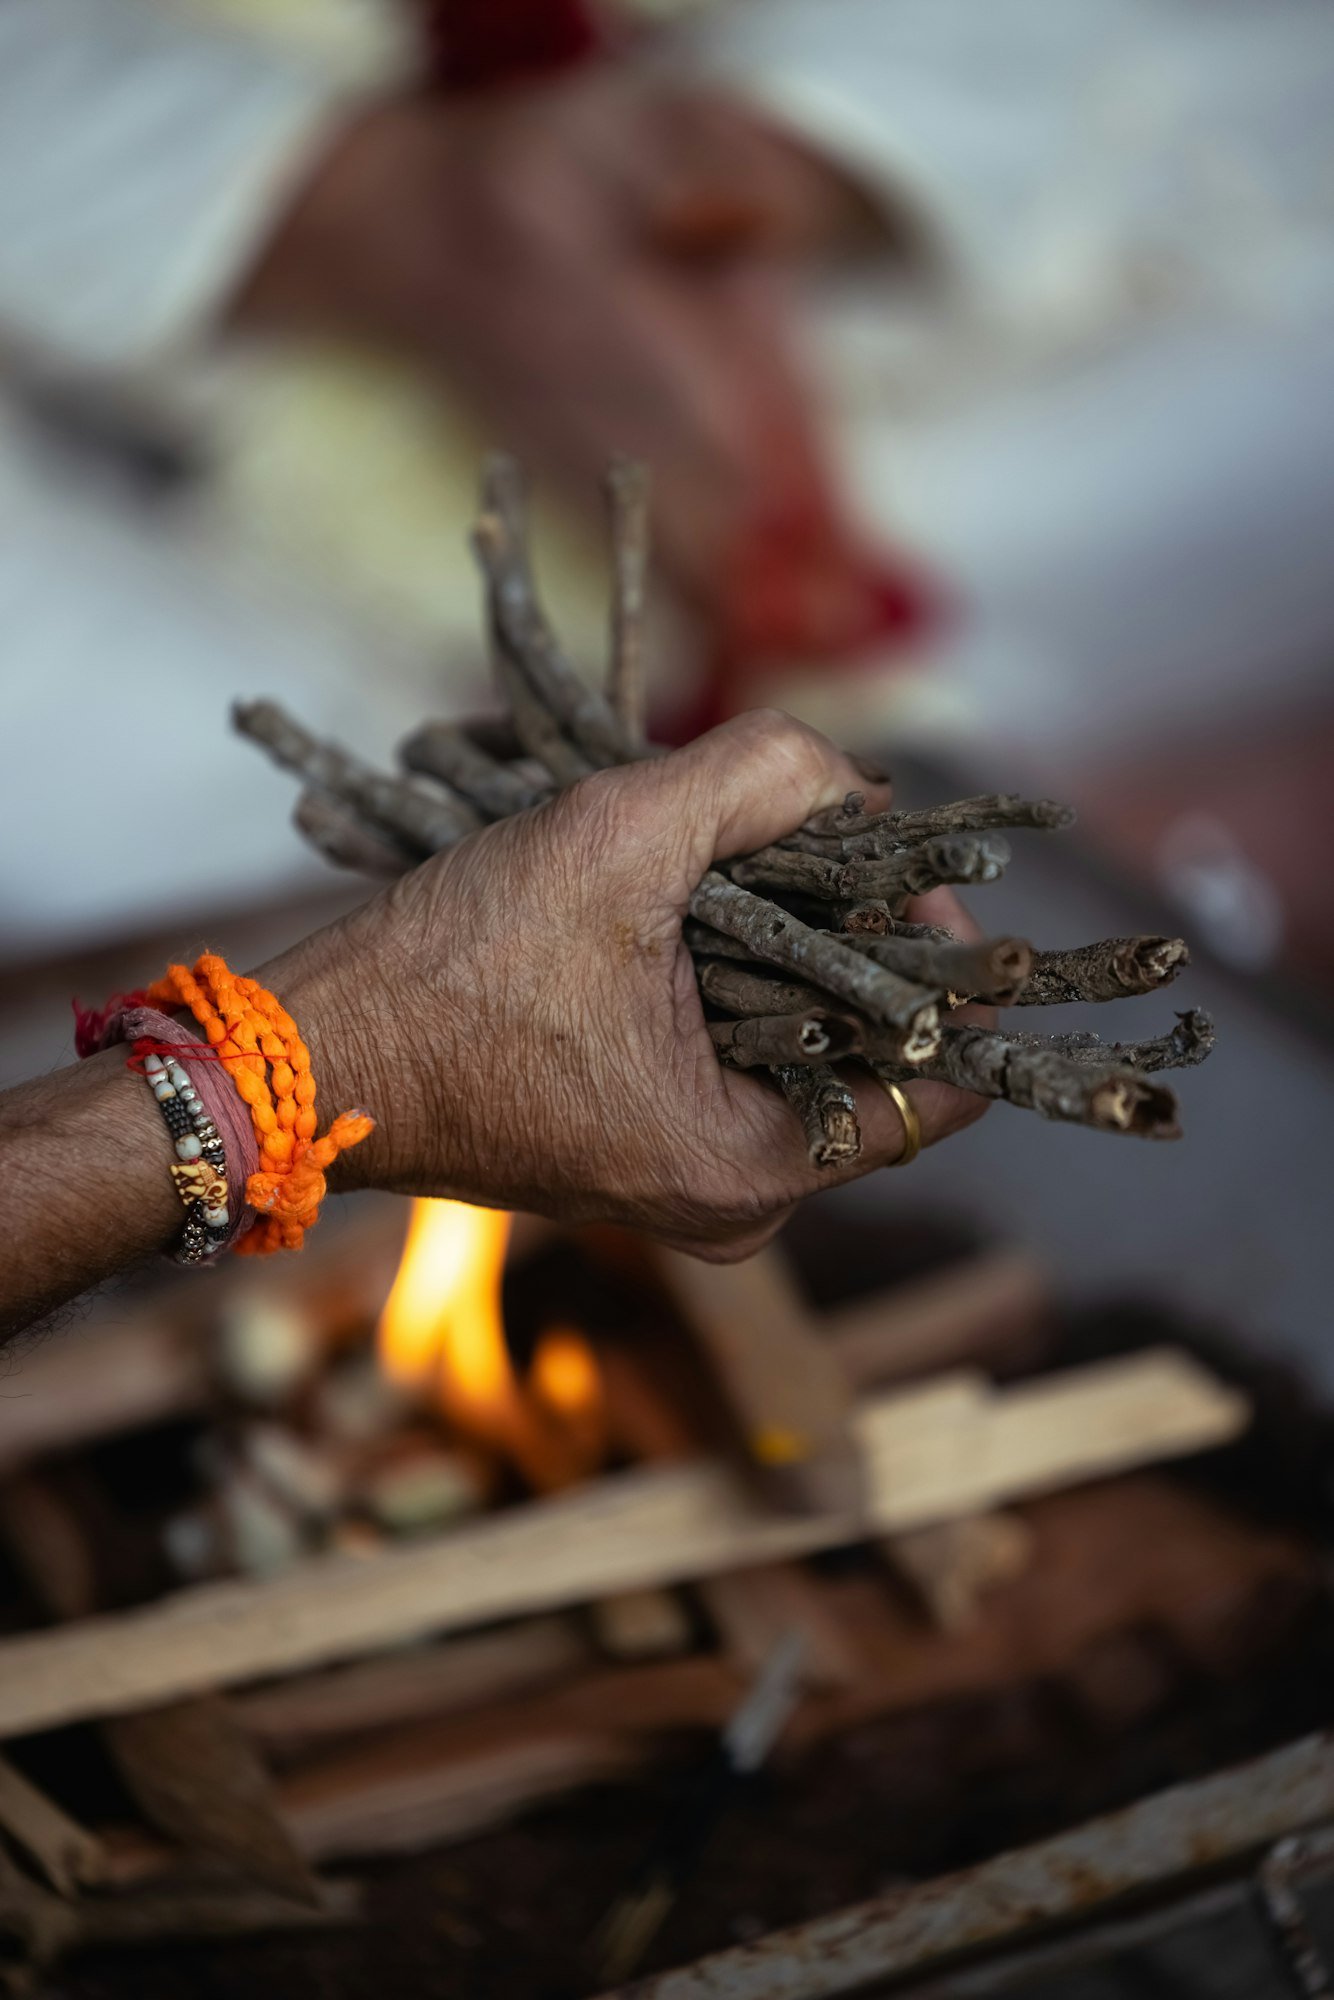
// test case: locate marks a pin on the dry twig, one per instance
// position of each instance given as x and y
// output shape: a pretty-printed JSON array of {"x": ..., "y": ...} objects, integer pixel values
[
  {"x": 1110, "y": 970},
  {"x": 854, "y": 870},
  {"x": 772, "y": 1041}
]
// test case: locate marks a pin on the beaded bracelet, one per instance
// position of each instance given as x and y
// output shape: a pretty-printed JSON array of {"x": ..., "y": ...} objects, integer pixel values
[
  {"x": 256, "y": 1042},
  {"x": 200, "y": 1172}
]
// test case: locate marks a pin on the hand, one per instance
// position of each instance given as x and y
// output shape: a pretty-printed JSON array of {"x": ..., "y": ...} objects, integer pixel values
[
  {"x": 521, "y": 1015},
  {"x": 593, "y": 262}
]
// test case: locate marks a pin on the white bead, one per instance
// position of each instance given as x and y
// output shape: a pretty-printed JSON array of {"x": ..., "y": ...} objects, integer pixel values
[
  {"x": 162, "y": 1090},
  {"x": 178, "y": 1076},
  {"x": 188, "y": 1147},
  {"x": 216, "y": 1218},
  {"x": 152, "y": 1064}
]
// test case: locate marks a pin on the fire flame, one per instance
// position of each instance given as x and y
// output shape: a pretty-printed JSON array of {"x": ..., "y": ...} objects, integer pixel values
[{"x": 442, "y": 1334}]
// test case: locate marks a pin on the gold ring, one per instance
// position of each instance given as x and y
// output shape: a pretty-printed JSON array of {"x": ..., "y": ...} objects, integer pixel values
[{"x": 912, "y": 1124}]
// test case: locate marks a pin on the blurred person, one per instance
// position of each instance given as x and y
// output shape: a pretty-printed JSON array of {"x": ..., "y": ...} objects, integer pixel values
[
  {"x": 172, "y": 189},
  {"x": 556, "y": 1060},
  {"x": 1086, "y": 379}
]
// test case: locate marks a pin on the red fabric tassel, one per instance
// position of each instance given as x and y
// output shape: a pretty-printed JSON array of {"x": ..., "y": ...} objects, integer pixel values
[
  {"x": 90, "y": 1023},
  {"x": 476, "y": 44}
]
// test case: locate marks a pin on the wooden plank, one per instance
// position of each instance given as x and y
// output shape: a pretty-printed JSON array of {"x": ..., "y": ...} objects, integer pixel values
[
  {"x": 789, "y": 1397},
  {"x": 988, "y": 1307},
  {"x": 754, "y": 1609},
  {"x": 931, "y": 1453},
  {"x": 405, "y": 1687},
  {"x": 66, "y": 1854}
]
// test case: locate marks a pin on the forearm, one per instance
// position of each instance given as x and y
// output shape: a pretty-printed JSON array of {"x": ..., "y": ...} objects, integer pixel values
[{"x": 85, "y": 1187}]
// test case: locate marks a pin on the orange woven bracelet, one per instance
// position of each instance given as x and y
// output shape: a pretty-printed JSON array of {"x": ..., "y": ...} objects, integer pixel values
[{"x": 259, "y": 1045}]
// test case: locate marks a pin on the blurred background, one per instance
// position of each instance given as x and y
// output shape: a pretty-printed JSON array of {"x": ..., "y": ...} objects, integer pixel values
[
  {"x": 983, "y": 355},
  {"x": 984, "y": 363}
]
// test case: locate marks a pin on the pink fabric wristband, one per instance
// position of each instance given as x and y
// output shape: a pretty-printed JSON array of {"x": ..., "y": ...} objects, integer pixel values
[{"x": 216, "y": 1093}]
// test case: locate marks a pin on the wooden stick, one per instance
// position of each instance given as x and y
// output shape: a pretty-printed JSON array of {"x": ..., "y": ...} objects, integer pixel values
[
  {"x": 425, "y": 821},
  {"x": 446, "y": 751},
  {"x": 521, "y": 624},
  {"x": 952, "y": 1565},
  {"x": 827, "y": 1110},
  {"x": 1190, "y": 1042},
  {"x": 754, "y": 1608},
  {"x": 909, "y": 871},
  {"x": 771, "y": 934},
  {"x": 988, "y": 1308},
  {"x": 403, "y": 1688},
  {"x": 627, "y": 488},
  {"x": 765, "y": 1041},
  {"x": 994, "y": 969},
  {"x": 1109, "y": 970},
  {"x": 537, "y": 729},
  {"x": 929, "y": 1454},
  {"x": 342, "y": 838},
  {"x": 790, "y": 1399},
  {"x": 875, "y": 834},
  {"x": 1055, "y": 1085},
  {"x": 65, "y": 1854}
]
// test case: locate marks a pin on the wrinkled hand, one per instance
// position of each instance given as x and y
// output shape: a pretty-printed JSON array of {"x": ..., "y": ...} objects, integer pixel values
[
  {"x": 521, "y": 1015},
  {"x": 594, "y": 263}
]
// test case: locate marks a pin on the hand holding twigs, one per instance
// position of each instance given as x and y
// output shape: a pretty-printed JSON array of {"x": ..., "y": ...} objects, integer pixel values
[{"x": 663, "y": 858}]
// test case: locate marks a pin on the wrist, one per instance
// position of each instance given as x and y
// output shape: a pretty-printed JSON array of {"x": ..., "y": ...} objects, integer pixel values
[{"x": 342, "y": 1021}]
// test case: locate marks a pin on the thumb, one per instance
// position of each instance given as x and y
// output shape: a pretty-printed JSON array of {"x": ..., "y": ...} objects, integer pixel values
[{"x": 753, "y": 779}]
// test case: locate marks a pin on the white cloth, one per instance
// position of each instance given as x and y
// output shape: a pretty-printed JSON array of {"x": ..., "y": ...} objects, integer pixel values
[
  {"x": 1071, "y": 164},
  {"x": 142, "y": 158}
]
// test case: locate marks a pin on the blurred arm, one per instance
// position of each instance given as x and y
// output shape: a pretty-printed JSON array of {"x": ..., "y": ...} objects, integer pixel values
[{"x": 142, "y": 159}]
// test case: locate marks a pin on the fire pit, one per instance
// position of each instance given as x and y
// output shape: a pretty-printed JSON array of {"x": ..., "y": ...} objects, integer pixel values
[{"x": 457, "y": 1567}]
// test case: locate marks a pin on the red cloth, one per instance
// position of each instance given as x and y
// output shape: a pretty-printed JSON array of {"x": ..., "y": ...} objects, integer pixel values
[
  {"x": 473, "y": 44},
  {"x": 126, "y": 1019}
]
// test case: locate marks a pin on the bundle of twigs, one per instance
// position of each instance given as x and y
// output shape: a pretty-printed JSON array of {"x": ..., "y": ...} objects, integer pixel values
[{"x": 803, "y": 953}]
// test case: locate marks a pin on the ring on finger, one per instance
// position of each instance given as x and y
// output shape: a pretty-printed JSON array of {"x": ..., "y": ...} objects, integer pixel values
[{"x": 912, "y": 1124}]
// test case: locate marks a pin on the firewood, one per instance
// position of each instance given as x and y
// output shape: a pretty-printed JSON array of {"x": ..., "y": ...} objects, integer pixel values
[
  {"x": 186, "y": 1763},
  {"x": 827, "y": 1110},
  {"x": 644, "y": 1624},
  {"x": 959, "y": 858},
  {"x": 644, "y": 1423},
  {"x": 930, "y": 1454},
  {"x": 424, "y": 1786},
  {"x": 446, "y": 751},
  {"x": 987, "y": 1308},
  {"x": 38, "y": 1929},
  {"x": 64, "y": 1853},
  {"x": 1109, "y": 970},
  {"x": 790, "y": 1399},
  {"x": 951, "y": 1566},
  {"x": 864, "y": 868},
  {"x": 1191, "y": 1041},
  {"x": 996, "y": 969},
  {"x": 1111, "y": 1096},
  {"x": 195, "y": 1775},
  {"x": 753, "y": 1608},
  {"x": 877, "y": 834},
  {"x": 781, "y": 939},
  {"x": 1143, "y": 1555},
  {"x": 413, "y": 1686},
  {"x": 340, "y": 837},
  {"x": 772, "y": 1041}
]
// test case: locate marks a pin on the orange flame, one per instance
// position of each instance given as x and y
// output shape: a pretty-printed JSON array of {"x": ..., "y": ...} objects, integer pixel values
[{"x": 442, "y": 1334}]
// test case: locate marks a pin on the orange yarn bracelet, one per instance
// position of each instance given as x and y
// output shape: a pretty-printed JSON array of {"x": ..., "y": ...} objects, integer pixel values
[{"x": 259, "y": 1045}]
